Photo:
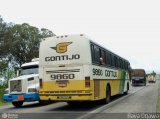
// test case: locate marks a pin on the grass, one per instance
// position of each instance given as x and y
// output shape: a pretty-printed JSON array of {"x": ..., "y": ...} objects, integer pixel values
[
  {"x": 158, "y": 99},
  {"x": 2, "y": 102}
]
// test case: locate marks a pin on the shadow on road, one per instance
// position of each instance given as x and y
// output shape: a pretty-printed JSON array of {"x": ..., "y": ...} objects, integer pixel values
[
  {"x": 34, "y": 105},
  {"x": 84, "y": 106}
]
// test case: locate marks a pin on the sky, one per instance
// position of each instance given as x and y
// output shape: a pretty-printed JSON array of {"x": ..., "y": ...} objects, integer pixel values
[{"x": 129, "y": 28}]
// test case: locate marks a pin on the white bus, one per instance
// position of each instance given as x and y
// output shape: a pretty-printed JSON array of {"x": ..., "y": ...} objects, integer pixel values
[{"x": 73, "y": 68}]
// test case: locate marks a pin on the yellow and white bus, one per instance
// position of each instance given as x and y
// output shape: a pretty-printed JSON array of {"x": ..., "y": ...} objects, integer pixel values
[{"x": 73, "y": 68}]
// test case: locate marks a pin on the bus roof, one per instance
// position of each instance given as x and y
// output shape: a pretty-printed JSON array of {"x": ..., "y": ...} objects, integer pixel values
[{"x": 92, "y": 41}]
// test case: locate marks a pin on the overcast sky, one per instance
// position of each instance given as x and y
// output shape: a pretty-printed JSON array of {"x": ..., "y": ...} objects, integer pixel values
[{"x": 130, "y": 28}]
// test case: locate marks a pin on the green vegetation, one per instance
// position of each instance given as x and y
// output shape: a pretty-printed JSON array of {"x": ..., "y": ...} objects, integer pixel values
[
  {"x": 2, "y": 88},
  {"x": 158, "y": 99},
  {"x": 19, "y": 43}
]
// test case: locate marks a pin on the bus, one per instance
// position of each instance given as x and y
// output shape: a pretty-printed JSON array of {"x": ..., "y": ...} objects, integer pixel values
[
  {"x": 138, "y": 77},
  {"x": 73, "y": 68}
]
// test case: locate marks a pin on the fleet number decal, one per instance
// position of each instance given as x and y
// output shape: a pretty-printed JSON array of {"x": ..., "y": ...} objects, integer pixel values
[
  {"x": 62, "y": 76},
  {"x": 106, "y": 73},
  {"x": 97, "y": 72}
]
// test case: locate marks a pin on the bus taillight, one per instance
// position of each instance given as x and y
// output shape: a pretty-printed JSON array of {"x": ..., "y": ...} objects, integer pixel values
[
  {"x": 87, "y": 81},
  {"x": 40, "y": 83}
]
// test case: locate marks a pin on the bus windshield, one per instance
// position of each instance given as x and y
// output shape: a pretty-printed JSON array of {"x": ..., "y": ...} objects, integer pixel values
[{"x": 29, "y": 70}]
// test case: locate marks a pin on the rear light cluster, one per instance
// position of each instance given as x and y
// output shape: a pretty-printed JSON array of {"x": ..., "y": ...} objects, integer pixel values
[
  {"x": 40, "y": 83},
  {"x": 87, "y": 82}
]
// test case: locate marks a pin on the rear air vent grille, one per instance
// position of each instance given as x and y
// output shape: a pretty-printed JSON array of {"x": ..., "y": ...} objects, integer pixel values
[{"x": 63, "y": 71}]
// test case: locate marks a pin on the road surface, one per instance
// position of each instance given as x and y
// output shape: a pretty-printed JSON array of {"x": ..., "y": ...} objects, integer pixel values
[{"x": 139, "y": 99}]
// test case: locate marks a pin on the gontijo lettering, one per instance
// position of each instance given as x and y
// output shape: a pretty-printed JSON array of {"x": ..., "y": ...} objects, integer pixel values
[
  {"x": 109, "y": 73},
  {"x": 62, "y": 57}
]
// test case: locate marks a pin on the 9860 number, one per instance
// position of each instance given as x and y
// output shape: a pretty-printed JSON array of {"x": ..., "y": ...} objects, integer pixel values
[
  {"x": 62, "y": 76},
  {"x": 97, "y": 72}
]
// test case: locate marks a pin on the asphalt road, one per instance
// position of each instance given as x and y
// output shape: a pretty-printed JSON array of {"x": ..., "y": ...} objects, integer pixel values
[{"x": 140, "y": 99}]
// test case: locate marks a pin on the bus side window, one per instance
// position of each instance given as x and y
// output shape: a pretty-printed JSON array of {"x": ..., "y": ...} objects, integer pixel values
[
  {"x": 126, "y": 65},
  {"x": 113, "y": 61},
  {"x": 108, "y": 58},
  {"x": 102, "y": 57},
  {"x": 97, "y": 54},
  {"x": 120, "y": 63},
  {"x": 123, "y": 65},
  {"x": 92, "y": 53},
  {"x": 110, "y": 55}
]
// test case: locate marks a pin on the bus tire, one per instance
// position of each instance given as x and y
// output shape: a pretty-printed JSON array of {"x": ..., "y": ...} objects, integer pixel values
[
  {"x": 41, "y": 102},
  {"x": 127, "y": 89},
  {"x": 17, "y": 104},
  {"x": 108, "y": 94},
  {"x": 73, "y": 103}
]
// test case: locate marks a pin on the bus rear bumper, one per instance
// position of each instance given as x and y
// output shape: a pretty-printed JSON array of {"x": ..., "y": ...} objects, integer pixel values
[{"x": 76, "y": 97}]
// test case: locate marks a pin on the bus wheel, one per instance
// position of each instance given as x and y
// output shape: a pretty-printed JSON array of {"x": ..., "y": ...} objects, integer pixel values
[
  {"x": 127, "y": 89},
  {"x": 18, "y": 104},
  {"x": 108, "y": 94},
  {"x": 73, "y": 103},
  {"x": 42, "y": 102}
]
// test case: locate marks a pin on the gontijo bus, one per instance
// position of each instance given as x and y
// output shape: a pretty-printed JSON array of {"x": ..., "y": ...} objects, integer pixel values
[{"x": 74, "y": 68}]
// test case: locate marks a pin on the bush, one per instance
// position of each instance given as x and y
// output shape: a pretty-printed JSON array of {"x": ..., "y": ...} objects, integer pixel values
[{"x": 2, "y": 89}]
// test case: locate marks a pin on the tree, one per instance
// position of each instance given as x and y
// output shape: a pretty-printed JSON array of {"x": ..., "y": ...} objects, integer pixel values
[
  {"x": 25, "y": 43},
  {"x": 4, "y": 45},
  {"x": 19, "y": 43},
  {"x": 153, "y": 73},
  {"x": 46, "y": 33}
]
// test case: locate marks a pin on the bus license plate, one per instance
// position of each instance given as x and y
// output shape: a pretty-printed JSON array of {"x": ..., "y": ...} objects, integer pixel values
[
  {"x": 20, "y": 98},
  {"x": 62, "y": 84},
  {"x": 63, "y": 97}
]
